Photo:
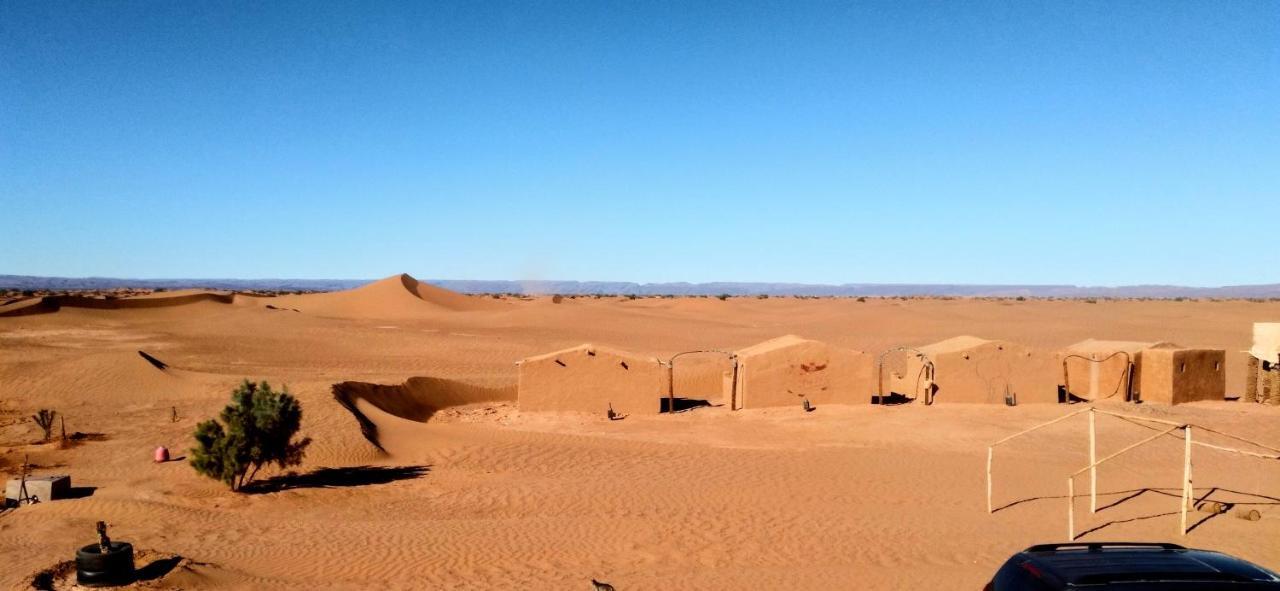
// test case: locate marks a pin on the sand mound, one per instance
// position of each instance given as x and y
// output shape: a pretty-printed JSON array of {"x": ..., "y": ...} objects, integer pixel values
[
  {"x": 165, "y": 299},
  {"x": 398, "y": 296},
  {"x": 28, "y": 307},
  {"x": 118, "y": 376},
  {"x": 415, "y": 400}
]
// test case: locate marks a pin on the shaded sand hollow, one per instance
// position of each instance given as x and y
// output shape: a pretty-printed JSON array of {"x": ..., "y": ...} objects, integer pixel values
[{"x": 470, "y": 493}]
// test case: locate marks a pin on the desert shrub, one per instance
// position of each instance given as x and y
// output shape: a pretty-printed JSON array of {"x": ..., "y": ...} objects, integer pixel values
[
  {"x": 861, "y": 299},
  {"x": 1090, "y": 301},
  {"x": 763, "y": 296},
  {"x": 1021, "y": 298},
  {"x": 257, "y": 429},
  {"x": 722, "y": 297},
  {"x": 556, "y": 299},
  {"x": 44, "y": 418}
]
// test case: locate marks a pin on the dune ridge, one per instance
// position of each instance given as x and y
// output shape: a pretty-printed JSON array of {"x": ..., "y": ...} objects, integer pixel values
[
  {"x": 48, "y": 304},
  {"x": 394, "y": 297},
  {"x": 417, "y": 399},
  {"x": 397, "y": 296}
]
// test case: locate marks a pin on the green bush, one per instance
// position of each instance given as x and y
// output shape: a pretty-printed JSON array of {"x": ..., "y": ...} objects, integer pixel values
[{"x": 257, "y": 429}]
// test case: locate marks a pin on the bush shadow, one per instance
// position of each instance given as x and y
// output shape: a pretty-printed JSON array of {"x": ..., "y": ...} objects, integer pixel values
[{"x": 337, "y": 478}]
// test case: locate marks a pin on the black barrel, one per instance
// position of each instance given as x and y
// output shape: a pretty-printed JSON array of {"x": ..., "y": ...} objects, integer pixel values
[{"x": 94, "y": 568}]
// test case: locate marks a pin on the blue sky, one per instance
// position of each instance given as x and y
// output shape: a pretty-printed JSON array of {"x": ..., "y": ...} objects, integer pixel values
[{"x": 1095, "y": 143}]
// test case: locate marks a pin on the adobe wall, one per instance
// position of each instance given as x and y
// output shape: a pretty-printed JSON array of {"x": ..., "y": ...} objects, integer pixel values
[
  {"x": 589, "y": 380},
  {"x": 1175, "y": 376},
  {"x": 1098, "y": 376},
  {"x": 820, "y": 372},
  {"x": 981, "y": 374}
]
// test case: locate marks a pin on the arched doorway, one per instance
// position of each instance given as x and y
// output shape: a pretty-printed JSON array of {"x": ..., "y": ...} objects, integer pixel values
[
  {"x": 687, "y": 391},
  {"x": 911, "y": 375}
]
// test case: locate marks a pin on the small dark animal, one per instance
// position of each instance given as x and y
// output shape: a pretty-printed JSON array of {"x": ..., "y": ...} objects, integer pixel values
[
  {"x": 614, "y": 415},
  {"x": 598, "y": 586},
  {"x": 809, "y": 407}
]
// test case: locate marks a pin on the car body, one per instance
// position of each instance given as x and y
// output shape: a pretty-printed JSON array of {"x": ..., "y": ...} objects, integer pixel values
[{"x": 1128, "y": 566}]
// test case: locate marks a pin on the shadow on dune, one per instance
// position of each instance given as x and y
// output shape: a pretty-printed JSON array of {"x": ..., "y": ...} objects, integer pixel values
[
  {"x": 415, "y": 400},
  {"x": 337, "y": 478}
]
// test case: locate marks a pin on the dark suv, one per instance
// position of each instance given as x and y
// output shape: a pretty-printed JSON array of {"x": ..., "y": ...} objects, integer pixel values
[{"x": 1128, "y": 566}]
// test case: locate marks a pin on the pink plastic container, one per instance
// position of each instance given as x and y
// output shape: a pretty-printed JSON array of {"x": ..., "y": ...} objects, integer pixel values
[{"x": 162, "y": 454}]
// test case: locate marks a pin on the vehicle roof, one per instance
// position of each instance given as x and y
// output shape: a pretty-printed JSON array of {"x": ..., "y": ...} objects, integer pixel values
[{"x": 1078, "y": 565}]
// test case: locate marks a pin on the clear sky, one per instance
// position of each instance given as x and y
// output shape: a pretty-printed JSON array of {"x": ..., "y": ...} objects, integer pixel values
[{"x": 1095, "y": 143}]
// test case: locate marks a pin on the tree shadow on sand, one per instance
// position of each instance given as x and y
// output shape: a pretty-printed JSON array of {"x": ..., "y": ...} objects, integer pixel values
[{"x": 337, "y": 478}]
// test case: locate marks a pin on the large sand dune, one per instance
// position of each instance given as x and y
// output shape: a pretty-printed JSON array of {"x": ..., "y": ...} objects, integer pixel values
[
  {"x": 398, "y": 296},
  {"x": 855, "y": 496}
]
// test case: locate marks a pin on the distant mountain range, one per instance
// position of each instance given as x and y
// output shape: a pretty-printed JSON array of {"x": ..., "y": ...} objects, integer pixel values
[{"x": 26, "y": 282}]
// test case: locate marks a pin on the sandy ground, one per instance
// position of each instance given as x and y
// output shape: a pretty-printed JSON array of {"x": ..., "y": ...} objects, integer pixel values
[{"x": 485, "y": 497}]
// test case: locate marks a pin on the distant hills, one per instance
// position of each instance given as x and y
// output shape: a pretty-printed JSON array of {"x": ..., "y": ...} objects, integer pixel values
[{"x": 26, "y": 282}]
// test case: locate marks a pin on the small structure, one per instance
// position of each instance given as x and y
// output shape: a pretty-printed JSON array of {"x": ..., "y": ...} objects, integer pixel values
[
  {"x": 37, "y": 489},
  {"x": 1170, "y": 374},
  {"x": 590, "y": 378},
  {"x": 971, "y": 369},
  {"x": 788, "y": 369},
  {"x": 1095, "y": 370},
  {"x": 1262, "y": 380}
]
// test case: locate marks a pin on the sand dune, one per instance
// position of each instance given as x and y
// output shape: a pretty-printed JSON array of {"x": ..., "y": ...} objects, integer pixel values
[
  {"x": 154, "y": 300},
  {"x": 398, "y": 296},
  {"x": 417, "y": 399}
]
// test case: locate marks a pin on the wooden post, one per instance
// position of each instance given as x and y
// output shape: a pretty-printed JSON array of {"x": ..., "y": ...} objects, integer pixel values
[
  {"x": 989, "y": 451},
  {"x": 1264, "y": 383},
  {"x": 1071, "y": 509},
  {"x": 1187, "y": 491},
  {"x": 1274, "y": 385},
  {"x": 1251, "y": 381},
  {"x": 738, "y": 387},
  {"x": 879, "y": 396},
  {"x": 1093, "y": 462},
  {"x": 1128, "y": 380},
  {"x": 671, "y": 386}
]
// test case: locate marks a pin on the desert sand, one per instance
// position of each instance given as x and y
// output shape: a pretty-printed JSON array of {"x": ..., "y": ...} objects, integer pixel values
[{"x": 468, "y": 492}]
